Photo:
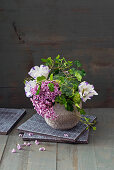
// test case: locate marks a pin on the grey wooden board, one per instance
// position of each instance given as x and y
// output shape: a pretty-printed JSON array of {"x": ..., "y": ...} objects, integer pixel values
[
  {"x": 82, "y": 139},
  {"x": 9, "y": 118},
  {"x": 36, "y": 124}
]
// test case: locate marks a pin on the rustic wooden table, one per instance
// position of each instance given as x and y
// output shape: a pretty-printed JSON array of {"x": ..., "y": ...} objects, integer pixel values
[{"x": 97, "y": 155}]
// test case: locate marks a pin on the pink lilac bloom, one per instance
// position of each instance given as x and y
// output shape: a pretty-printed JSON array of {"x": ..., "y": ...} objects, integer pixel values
[
  {"x": 66, "y": 135},
  {"x": 43, "y": 103},
  {"x": 42, "y": 149}
]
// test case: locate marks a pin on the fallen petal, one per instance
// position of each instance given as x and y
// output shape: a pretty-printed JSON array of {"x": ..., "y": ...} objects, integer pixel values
[
  {"x": 66, "y": 135},
  {"x": 42, "y": 149},
  {"x": 19, "y": 147},
  {"x": 20, "y": 135},
  {"x": 36, "y": 142},
  {"x": 28, "y": 144},
  {"x": 13, "y": 150},
  {"x": 30, "y": 134}
]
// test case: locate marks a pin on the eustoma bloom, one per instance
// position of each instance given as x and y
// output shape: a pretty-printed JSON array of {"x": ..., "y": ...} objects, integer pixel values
[
  {"x": 28, "y": 87},
  {"x": 86, "y": 91},
  {"x": 39, "y": 71},
  {"x": 43, "y": 103}
]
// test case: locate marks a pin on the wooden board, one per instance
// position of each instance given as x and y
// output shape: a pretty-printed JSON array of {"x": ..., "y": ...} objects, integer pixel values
[
  {"x": 36, "y": 124},
  {"x": 82, "y": 139},
  {"x": 9, "y": 118}
]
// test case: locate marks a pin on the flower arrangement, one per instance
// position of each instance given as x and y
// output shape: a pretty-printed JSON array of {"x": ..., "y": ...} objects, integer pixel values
[{"x": 58, "y": 81}]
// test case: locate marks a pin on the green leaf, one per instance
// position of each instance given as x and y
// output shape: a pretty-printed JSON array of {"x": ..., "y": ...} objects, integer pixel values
[
  {"x": 38, "y": 91},
  {"x": 24, "y": 81},
  {"x": 82, "y": 112},
  {"x": 69, "y": 105},
  {"x": 77, "y": 63},
  {"x": 94, "y": 128},
  {"x": 44, "y": 60},
  {"x": 51, "y": 87},
  {"x": 51, "y": 77},
  {"x": 78, "y": 76},
  {"x": 58, "y": 56},
  {"x": 41, "y": 78},
  {"x": 72, "y": 71},
  {"x": 68, "y": 91},
  {"x": 76, "y": 98}
]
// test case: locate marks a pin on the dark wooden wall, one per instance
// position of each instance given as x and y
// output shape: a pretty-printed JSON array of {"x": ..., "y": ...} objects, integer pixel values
[{"x": 78, "y": 29}]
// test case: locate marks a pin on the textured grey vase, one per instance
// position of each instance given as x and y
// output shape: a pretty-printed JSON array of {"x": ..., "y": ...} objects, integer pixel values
[{"x": 65, "y": 119}]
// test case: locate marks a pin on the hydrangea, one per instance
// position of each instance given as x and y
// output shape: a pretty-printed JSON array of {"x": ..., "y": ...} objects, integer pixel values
[
  {"x": 43, "y": 103},
  {"x": 39, "y": 71},
  {"x": 86, "y": 91},
  {"x": 29, "y": 85}
]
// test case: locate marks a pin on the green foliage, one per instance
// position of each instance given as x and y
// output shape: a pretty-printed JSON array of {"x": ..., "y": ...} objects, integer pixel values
[
  {"x": 77, "y": 63},
  {"x": 68, "y": 78},
  {"x": 41, "y": 78},
  {"x": 78, "y": 76},
  {"x": 38, "y": 91},
  {"x": 94, "y": 128},
  {"x": 51, "y": 77},
  {"x": 51, "y": 87},
  {"x": 76, "y": 98}
]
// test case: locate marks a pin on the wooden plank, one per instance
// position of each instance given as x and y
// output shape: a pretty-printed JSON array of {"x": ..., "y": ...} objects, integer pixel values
[
  {"x": 37, "y": 125},
  {"x": 42, "y": 160},
  {"x": 67, "y": 157},
  {"x": 9, "y": 118},
  {"x": 14, "y": 161},
  {"x": 82, "y": 139},
  {"x": 86, "y": 156},
  {"x": 3, "y": 142},
  {"x": 103, "y": 140}
]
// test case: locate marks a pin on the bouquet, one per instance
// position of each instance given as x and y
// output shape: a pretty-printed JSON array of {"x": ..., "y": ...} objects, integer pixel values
[{"x": 57, "y": 81}]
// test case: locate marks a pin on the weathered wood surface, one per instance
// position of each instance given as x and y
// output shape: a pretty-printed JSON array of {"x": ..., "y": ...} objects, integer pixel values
[
  {"x": 37, "y": 125},
  {"x": 9, "y": 118},
  {"x": 83, "y": 138},
  {"x": 97, "y": 155},
  {"x": 33, "y": 29}
]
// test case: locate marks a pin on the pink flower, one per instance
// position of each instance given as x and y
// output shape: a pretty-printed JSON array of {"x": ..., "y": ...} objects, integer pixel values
[
  {"x": 28, "y": 144},
  {"x": 13, "y": 150},
  {"x": 66, "y": 135},
  {"x": 30, "y": 134},
  {"x": 20, "y": 135},
  {"x": 42, "y": 149},
  {"x": 36, "y": 142},
  {"x": 44, "y": 101},
  {"x": 19, "y": 147}
]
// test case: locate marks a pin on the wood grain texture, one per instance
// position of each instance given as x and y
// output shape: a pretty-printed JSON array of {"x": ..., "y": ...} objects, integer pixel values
[
  {"x": 67, "y": 157},
  {"x": 82, "y": 139},
  {"x": 9, "y": 118},
  {"x": 3, "y": 142},
  {"x": 37, "y": 125},
  {"x": 97, "y": 155},
  {"x": 34, "y": 29}
]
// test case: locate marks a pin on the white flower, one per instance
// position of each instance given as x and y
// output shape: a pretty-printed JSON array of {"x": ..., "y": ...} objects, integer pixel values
[
  {"x": 86, "y": 91},
  {"x": 28, "y": 85},
  {"x": 39, "y": 71}
]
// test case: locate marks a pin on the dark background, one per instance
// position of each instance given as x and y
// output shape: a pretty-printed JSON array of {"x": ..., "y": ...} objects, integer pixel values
[{"x": 32, "y": 29}]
